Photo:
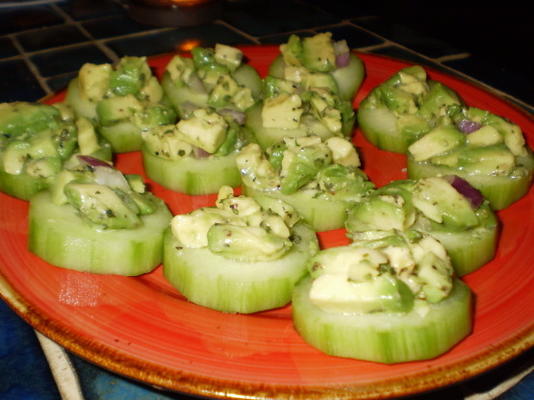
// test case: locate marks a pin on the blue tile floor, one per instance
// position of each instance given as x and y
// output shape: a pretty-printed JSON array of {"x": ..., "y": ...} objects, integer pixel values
[{"x": 42, "y": 46}]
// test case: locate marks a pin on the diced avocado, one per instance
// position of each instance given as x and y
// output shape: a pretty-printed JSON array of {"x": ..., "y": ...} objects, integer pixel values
[
  {"x": 205, "y": 129},
  {"x": 45, "y": 167},
  {"x": 442, "y": 203},
  {"x": 255, "y": 169},
  {"x": 136, "y": 183},
  {"x": 222, "y": 93},
  {"x": 243, "y": 99},
  {"x": 292, "y": 51},
  {"x": 485, "y": 136},
  {"x": 433, "y": 272},
  {"x": 321, "y": 80},
  {"x": 513, "y": 137},
  {"x": 318, "y": 52},
  {"x": 146, "y": 203},
  {"x": 42, "y": 144},
  {"x": 165, "y": 142},
  {"x": 130, "y": 76},
  {"x": 300, "y": 166},
  {"x": 246, "y": 243},
  {"x": 154, "y": 115},
  {"x": 228, "y": 56},
  {"x": 416, "y": 70},
  {"x": 87, "y": 139},
  {"x": 191, "y": 230},
  {"x": 385, "y": 213},
  {"x": 332, "y": 120},
  {"x": 118, "y": 108},
  {"x": 66, "y": 112},
  {"x": 434, "y": 102},
  {"x": 343, "y": 152},
  {"x": 273, "y": 87},
  {"x": 334, "y": 293},
  {"x": 490, "y": 160},
  {"x": 180, "y": 69},
  {"x": 345, "y": 183},
  {"x": 204, "y": 59},
  {"x": 14, "y": 156},
  {"x": 411, "y": 84},
  {"x": 412, "y": 126},
  {"x": 449, "y": 159},
  {"x": 57, "y": 188},
  {"x": 101, "y": 205},
  {"x": 94, "y": 80},
  {"x": 283, "y": 111},
  {"x": 397, "y": 99},
  {"x": 20, "y": 117},
  {"x": 279, "y": 207},
  {"x": 152, "y": 91},
  {"x": 439, "y": 140}
]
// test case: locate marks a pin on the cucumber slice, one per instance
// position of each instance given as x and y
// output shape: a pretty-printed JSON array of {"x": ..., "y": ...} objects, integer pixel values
[
  {"x": 423, "y": 333},
  {"x": 469, "y": 249},
  {"x": 349, "y": 78},
  {"x": 123, "y": 136},
  {"x": 194, "y": 176},
  {"x": 321, "y": 214},
  {"x": 379, "y": 126},
  {"x": 60, "y": 237},
  {"x": 500, "y": 191},
  {"x": 82, "y": 106},
  {"x": 232, "y": 286}
]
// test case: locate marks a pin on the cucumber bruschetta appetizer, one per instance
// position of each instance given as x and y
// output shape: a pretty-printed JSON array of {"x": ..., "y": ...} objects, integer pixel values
[
  {"x": 448, "y": 209},
  {"x": 402, "y": 109},
  {"x": 319, "y": 61},
  {"x": 95, "y": 219},
  {"x": 388, "y": 300},
  {"x": 197, "y": 155},
  {"x": 238, "y": 257},
  {"x": 122, "y": 101},
  {"x": 319, "y": 178},
  {"x": 35, "y": 142},
  {"x": 213, "y": 77},
  {"x": 484, "y": 149}
]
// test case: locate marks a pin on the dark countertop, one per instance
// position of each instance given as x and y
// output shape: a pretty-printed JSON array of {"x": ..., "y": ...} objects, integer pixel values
[{"x": 44, "y": 43}]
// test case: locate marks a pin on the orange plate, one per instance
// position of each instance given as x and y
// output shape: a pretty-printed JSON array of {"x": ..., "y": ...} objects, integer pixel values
[{"x": 143, "y": 328}]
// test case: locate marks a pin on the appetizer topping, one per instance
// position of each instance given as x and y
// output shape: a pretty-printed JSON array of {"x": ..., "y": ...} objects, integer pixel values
[
  {"x": 102, "y": 195},
  {"x": 308, "y": 163},
  {"x": 381, "y": 276},
  {"x": 238, "y": 228}
]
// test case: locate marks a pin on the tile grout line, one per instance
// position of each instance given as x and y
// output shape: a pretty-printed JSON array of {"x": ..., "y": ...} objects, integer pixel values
[
  {"x": 31, "y": 66},
  {"x": 62, "y": 370},
  {"x": 106, "y": 50},
  {"x": 237, "y": 30}
]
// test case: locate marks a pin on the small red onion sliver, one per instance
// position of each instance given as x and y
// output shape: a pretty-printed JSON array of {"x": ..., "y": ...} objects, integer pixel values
[
  {"x": 93, "y": 162},
  {"x": 468, "y": 126},
  {"x": 201, "y": 153},
  {"x": 237, "y": 116},
  {"x": 342, "y": 60},
  {"x": 465, "y": 189}
]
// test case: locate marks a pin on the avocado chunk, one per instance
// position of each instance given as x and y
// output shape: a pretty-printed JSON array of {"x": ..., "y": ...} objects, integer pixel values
[
  {"x": 437, "y": 99},
  {"x": 283, "y": 111},
  {"x": 383, "y": 212},
  {"x": 246, "y": 243},
  {"x": 21, "y": 117},
  {"x": 115, "y": 109},
  {"x": 93, "y": 80},
  {"x": 228, "y": 56},
  {"x": 204, "y": 129},
  {"x": 442, "y": 203},
  {"x": 101, "y": 205},
  {"x": 318, "y": 53},
  {"x": 439, "y": 140},
  {"x": 130, "y": 76}
]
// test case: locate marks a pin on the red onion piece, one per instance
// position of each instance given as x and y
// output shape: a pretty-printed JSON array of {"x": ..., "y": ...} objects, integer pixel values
[
  {"x": 465, "y": 189},
  {"x": 342, "y": 60},
  {"x": 468, "y": 126},
  {"x": 110, "y": 177},
  {"x": 237, "y": 116},
  {"x": 200, "y": 153},
  {"x": 93, "y": 162}
]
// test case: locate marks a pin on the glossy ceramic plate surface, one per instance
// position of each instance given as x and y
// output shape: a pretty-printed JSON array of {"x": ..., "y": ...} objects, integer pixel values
[{"x": 143, "y": 328}]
